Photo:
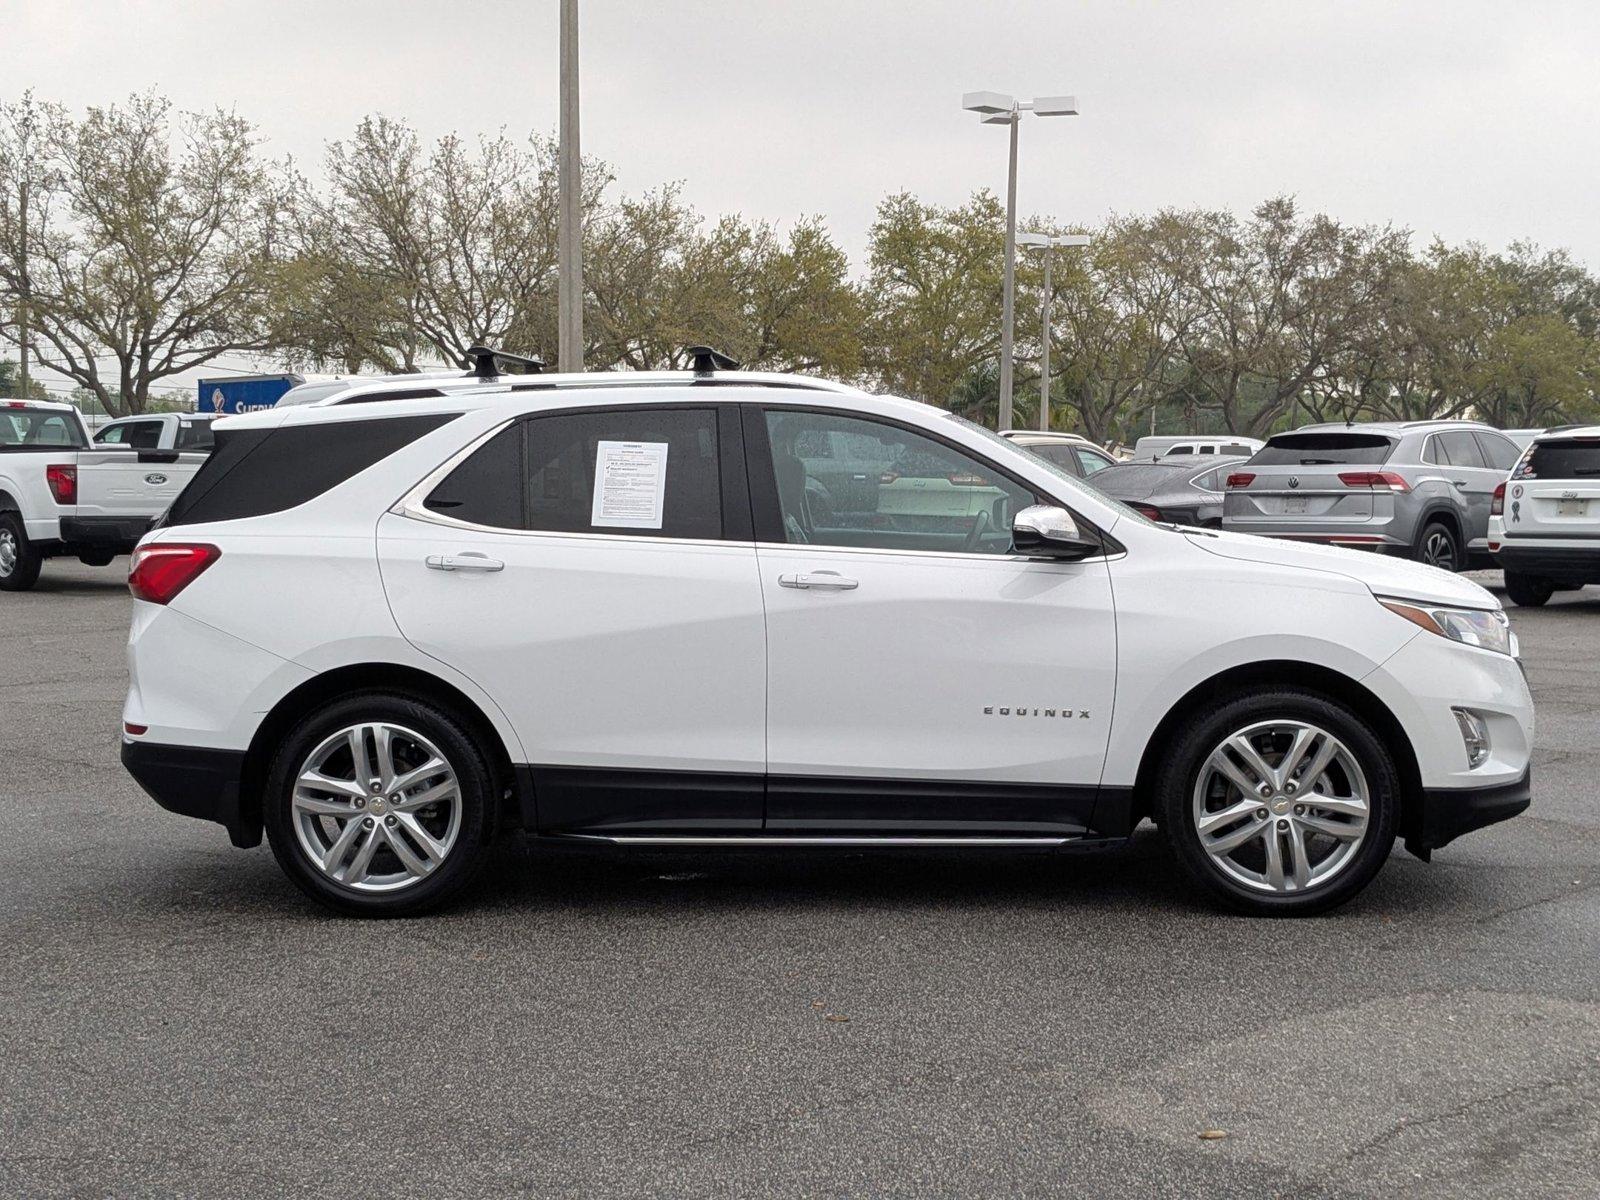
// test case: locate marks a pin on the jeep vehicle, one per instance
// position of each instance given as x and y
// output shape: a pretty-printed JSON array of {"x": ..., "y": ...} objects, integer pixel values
[{"x": 1545, "y": 531}]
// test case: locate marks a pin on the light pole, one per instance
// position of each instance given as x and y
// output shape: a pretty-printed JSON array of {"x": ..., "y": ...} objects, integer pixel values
[
  {"x": 1047, "y": 243},
  {"x": 569, "y": 316},
  {"x": 995, "y": 108}
]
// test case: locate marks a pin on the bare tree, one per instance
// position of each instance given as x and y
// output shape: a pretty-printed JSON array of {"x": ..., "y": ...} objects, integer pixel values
[{"x": 145, "y": 258}]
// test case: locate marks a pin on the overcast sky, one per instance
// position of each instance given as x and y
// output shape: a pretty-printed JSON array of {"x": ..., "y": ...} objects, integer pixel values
[{"x": 1464, "y": 119}]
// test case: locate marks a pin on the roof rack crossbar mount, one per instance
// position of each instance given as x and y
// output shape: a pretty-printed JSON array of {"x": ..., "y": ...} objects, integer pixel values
[
  {"x": 483, "y": 361},
  {"x": 703, "y": 360}
]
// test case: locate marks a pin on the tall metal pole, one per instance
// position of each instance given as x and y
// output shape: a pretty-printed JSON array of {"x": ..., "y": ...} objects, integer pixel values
[
  {"x": 1008, "y": 299},
  {"x": 570, "y": 167},
  {"x": 22, "y": 305},
  {"x": 1044, "y": 357}
]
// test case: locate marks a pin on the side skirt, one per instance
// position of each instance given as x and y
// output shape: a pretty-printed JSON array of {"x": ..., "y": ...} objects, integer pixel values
[{"x": 640, "y": 807}]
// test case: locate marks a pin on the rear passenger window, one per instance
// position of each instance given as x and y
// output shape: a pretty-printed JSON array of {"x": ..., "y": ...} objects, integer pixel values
[
  {"x": 253, "y": 472},
  {"x": 1462, "y": 448},
  {"x": 650, "y": 472},
  {"x": 487, "y": 488}
]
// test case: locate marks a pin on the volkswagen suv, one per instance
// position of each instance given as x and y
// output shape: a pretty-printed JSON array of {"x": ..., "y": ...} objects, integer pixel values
[
  {"x": 601, "y": 610},
  {"x": 1417, "y": 489}
]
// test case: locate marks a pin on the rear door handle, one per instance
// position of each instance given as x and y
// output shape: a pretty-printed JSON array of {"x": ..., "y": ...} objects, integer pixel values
[
  {"x": 464, "y": 562},
  {"x": 828, "y": 581}
]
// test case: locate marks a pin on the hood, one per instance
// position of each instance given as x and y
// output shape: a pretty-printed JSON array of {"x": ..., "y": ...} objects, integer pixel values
[{"x": 1384, "y": 575}]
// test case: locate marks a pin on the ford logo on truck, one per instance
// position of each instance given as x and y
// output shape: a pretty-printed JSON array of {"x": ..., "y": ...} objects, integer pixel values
[{"x": 155, "y": 480}]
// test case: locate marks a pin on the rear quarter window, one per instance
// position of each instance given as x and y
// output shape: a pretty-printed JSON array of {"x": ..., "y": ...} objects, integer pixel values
[{"x": 254, "y": 472}]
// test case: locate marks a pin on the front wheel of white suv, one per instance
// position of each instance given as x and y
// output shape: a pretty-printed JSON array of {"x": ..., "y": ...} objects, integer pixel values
[
  {"x": 1281, "y": 802},
  {"x": 380, "y": 805}
]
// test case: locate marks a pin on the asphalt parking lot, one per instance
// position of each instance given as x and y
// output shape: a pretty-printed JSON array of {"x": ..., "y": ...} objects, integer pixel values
[{"x": 175, "y": 1019}]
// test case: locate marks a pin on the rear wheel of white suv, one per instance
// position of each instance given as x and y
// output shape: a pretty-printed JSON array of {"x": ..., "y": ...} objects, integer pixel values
[
  {"x": 1282, "y": 802},
  {"x": 380, "y": 804},
  {"x": 19, "y": 562}
]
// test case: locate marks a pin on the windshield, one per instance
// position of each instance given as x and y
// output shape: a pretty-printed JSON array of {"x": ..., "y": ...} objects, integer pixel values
[
  {"x": 39, "y": 428},
  {"x": 1074, "y": 486},
  {"x": 1316, "y": 449}
]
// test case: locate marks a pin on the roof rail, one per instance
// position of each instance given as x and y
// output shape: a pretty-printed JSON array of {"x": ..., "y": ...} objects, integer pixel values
[
  {"x": 481, "y": 361},
  {"x": 704, "y": 360}
]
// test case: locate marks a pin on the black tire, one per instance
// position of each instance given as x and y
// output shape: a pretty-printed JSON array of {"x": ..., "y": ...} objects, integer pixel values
[
  {"x": 19, "y": 561},
  {"x": 100, "y": 558},
  {"x": 1528, "y": 591},
  {"x": 1205, "y": 730},
  {"x": 475, "y": 783},
  {"x": 1439, "y": 547}
]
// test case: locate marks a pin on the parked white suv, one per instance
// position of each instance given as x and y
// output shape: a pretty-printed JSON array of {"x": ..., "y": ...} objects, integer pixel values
[
  {"x": 607, "y": 609},
  {"x": 1545, "y": 523}
]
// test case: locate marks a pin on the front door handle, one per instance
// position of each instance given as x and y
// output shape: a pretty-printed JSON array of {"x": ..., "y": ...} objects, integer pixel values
[
  {"x": 469, "y": 561},
  {"x": 830, "y": 581}
]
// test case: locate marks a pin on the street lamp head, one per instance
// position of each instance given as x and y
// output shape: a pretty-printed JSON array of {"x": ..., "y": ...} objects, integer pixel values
[
  {"x": 1033, "y": 239},
  {"x": 1055, "y": 106},
  {"x": 1073, "y": 239},
  {"x": 987, "y": 102}
]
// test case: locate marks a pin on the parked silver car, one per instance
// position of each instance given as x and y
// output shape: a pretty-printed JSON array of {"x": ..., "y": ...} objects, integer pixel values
[
  {"x": 1418, "y": 488},
  {"x": 1181, "y": 489}
]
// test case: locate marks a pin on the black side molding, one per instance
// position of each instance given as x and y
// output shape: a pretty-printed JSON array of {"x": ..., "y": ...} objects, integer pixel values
[
  {"x": 194, "y": 781},
  {"x": 1444, "y": 814}
]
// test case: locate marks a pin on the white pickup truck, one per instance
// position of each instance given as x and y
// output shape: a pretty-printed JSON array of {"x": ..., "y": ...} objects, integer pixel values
[{"x": 61, "y": 495}]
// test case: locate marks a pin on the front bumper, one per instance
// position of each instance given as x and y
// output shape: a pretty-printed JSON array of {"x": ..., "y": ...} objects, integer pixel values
[
  {"x": 1444, "y": 814},
  {"x": 195, "y": 781}
]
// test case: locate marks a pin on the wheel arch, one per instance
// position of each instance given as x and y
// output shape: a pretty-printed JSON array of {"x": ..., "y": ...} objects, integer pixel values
[
  {"x": 1446, "y": 514},
  {"x": 1283, "y": 673},
  {"x": 348, "y": 680},
  {"x": 8, "y": 502}
]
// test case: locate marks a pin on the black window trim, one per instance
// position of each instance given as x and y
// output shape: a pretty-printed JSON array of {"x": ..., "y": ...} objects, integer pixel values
[
  {"x": 732, "y": 494},
  {"x": 766, "y": 512}
]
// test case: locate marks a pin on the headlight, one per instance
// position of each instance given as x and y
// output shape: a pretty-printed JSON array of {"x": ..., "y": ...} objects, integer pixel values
[{"x": 1487, "y": 629}]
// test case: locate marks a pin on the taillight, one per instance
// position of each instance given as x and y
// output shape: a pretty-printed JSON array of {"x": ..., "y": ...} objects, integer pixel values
[
  {"x": 63, "y": 481},
  {"x": 1497, "y": 506},
  {"x": 1241, "y": 479},
  {"x": 1375, "y": 479},
  {"x": 161, "y": 571},
  {"x": 1147, "y": 510}
]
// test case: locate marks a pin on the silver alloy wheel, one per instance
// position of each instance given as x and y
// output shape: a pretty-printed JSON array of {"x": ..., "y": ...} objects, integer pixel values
[
  {"x": 8, "y": 553},
  {"x": 1437, "y": 550},
  {"x": 376, "y": 807},
  {"x": 1281, "y": 806}
]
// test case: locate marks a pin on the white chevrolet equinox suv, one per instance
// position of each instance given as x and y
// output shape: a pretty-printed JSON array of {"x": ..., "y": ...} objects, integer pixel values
[{"x": 638, "y": 610}]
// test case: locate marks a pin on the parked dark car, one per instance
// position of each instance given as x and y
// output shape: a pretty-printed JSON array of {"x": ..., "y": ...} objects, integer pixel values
[{"x": 1186, "y": 489}]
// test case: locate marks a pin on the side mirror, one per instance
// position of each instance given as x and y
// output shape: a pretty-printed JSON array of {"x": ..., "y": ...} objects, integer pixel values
[{"x": 1046, "y": 531}]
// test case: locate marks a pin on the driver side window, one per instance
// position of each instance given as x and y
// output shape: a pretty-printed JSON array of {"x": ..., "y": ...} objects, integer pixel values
[{"x": 886, "y": 488}]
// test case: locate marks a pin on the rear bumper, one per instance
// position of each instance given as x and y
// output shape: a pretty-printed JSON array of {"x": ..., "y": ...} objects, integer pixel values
[
  {"x": 1444, "y": 814},
  {"x": 1565, "y": 563},
  {"x": 1378, "y": 536},
  {"x": 119, "y": 534},
  {"x": 195, "y": 781}
]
